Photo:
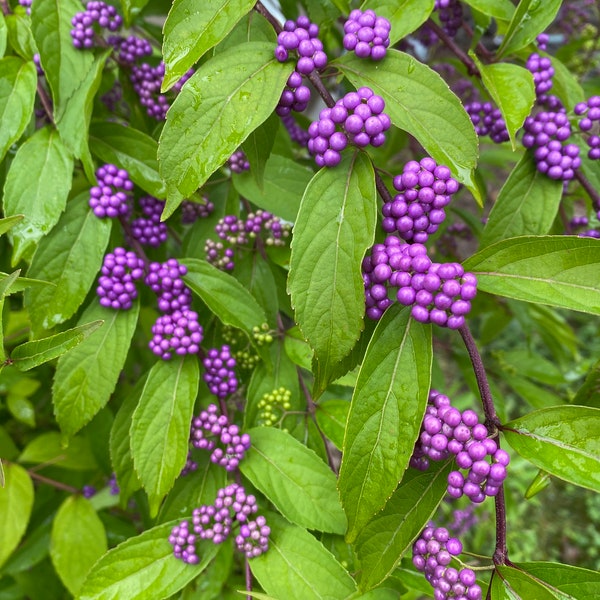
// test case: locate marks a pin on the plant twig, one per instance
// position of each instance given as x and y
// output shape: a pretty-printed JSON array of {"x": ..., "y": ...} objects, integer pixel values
[
  {"x": 55, "y": 484},
  {"x": 248, "y": 579},
  {"x": 501, "y": 551},
  {"x": 454, "y": 48},
  {"x": 45, "y": 100},
  {"x": 480, "y": 375},
  {"x": 589, "y": 188},
  {"x": 260, "y": 8}
]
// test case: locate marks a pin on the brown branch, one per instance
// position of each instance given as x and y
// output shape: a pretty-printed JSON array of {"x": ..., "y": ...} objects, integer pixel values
[
  {"x": 589, "y": 188},
  {"x": 45, "y": 100},
  {"x": 454, "y": 48}
]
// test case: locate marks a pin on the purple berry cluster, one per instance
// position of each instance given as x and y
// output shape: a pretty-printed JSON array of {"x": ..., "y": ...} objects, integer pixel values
[
  {"x": 236, "y": 232},
  {"x": 215, "y": 521},
  {"x": 116, "y": 285},
  {"x": 220, "y": 374},
  {"x": 100, "y": 13},
  {"x": 165, "y": 280},
  {"x": 238, "y": 162},
  {"x": 543, "y": 72},
  {"x": 425, "y": 190},
  {"x": 147, "y": 81},
  {"x": 301, "y": 38},
  {"x": 176, "y": 332},
  {"x": 448, "y": 432},
  {"x": 192, "y": 211},
  {"x": 487, "y": 121},
  {"x": 190, "y": 466},
  {"x": 545, "y": 133},
  {"x": 589, "y": 111},
  {"x": 451, "y": 15},
  {"x": 27, "y": 5},
  {"x": 209, "y": 427},
  {"x": 439, "y": 293},
  {"x": 297, "y": 134},
  {"x": 295, "y": 96},
  {"x": 149, "y": 230},
  {"x": 88, "y": 491},
  {"x": 357, "y": 118},
  {"x": 113, "y": 485},
  {"x": 130, "y": 49},
  {"x": 112, "y": 196},
  {"x": 366, "y": 34},
  {"x": 432, "y": 554}
]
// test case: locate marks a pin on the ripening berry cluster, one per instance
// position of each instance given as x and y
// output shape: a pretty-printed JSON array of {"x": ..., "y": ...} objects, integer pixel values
[
  {"x": 112, "y": 196},
  {"x": 238, "y": 162},
  {"x": 545, "y": 133},
  {"x": 215, "y": 521},
  {"x": 357, "y": 118},
  {"x": 244, "y": 354},
  {"x": 425, "y": 190},
  {"x": 300, "y": 39},
  {"x": 177, "y": 331},
  {"x": 439, "y": 293},
  {"x": 236, "y": 232},
  {"x": 590, "y": 113},
  {"x": 487, "y": 121},
  {"x": 220, "y": 374},
  {"x": 448, "y": 432},
  {"x": 432, "y": 554},
  {"x": 116, "y": 284},
  {"x": 366, "y": 34},
  {"x": 272, "y": 406},
  {"x": 192, "y": 211},
  {"x": 130, "y": 49},
  {"x": 100, "y": 13},
  {"x": 149, "y": 230},
  {"x": 210, "y": 429},
  {"x": 451, "y": 15}
]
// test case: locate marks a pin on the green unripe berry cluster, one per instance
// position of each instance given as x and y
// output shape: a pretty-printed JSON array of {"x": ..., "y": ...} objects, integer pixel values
[
  {"x": 272, "y": 406},
  {"x": 262, "y": 335}
]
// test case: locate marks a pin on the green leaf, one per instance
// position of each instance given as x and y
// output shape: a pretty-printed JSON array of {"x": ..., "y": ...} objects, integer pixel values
[
  {"x": 65, "y": 66},
  {"x": 198, "y": 489},
  {"x": 19, "y": 35},
  {"x": 224, "y": 295},
  {"x": 74, "y": 122},
  {"x": 219, "y": 107},
  {"x": 526, "y": 205},
  {"x": 404, "y": 15},
  {"x": 419, "y": 101},
  {"x": 18, "y": 83},
  {"x": 31, "y": 354},
  {"x": 385, "y": 539},
  {"x": 119, "y": 444},
  {"x": 78, "y": 540},
  {"x": 16, "y": 501},
  {"x": 294, "y": 479},
  {"x": 8, "y": 223},
  {"x": 284, "y": 183},
  {"x": 581, "y": 584},
  {"x": 21, "y": 408},
  {"x": 48, "y": 448},
  {"x": 499, "y": 9},
  {"x": 565, "y": 83},
  {"x": 385, "y": 415},
  {"x": 331, "y": 417},
  {"x": 258, "y": 146},
  {"x": 37, "y": 185},
  {"x": 131, "y": 150},
  {"x": 144, "y": 567},
  {"x": 563, "y": 440},
  {"x": 252, "y": 27},
  {"x": 512, "y": 89},
  {"x": 334, "y": 229},
  {"x": 3, "y": 35},
  {"x": 160, "y": 427},
  {"x": 70, "y": 257},
  {"x": 297, "y": 565},
  {"x": 589, "y": 393},
  {"x": 203, "y": 24},
  {"x": 519, "y": 584},
  {"x": 132, "y": 8},
  {"x": 555, "y": 270},
  {"x": 86, "y": 377},
  {"x": 530, "y": 18}
]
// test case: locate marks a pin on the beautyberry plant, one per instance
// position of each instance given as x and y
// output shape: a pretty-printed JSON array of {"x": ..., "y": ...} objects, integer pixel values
[{"x": 297, "y": 299}]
